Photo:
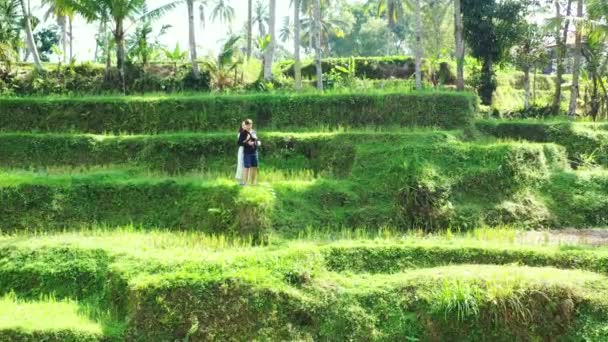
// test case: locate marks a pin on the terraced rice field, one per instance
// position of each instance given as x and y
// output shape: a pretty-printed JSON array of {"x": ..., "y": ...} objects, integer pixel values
[{"x": 379, "y": 233}]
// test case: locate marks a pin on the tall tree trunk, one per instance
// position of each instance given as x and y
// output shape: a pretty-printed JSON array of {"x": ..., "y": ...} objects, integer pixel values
[
  {"x": 576, "y": 65},
  {"x": 249, "y": 27},
  {"x": 487, "y": 81},
  {"x": 458, "y": 29},
  {"x": 595, "y": 103},
  {"x": 311, "y": 35},
  {"x": 119, "y": 37},
  {"x": 261, "y": 29},
  {"x": 317, "y": 32},
  {"x": 560, "y": 44},
  {"x": 100, "y": 33},
  {"x": 192, "y": 39},
  {"x": 64, "y": 38},
  {"x": 106, "y": 37},
  {"x": 388, "y": 40},
  {"x": 268, "y": 58},
  {"x": 71, "y": 22},
  {"x": 297, "y": 68},
  {"x": 31, "y": 44},
  {"x": 534, "y": 85},
  {"x": 418, "y": 46},
  {"x": 527, "y": 87}
]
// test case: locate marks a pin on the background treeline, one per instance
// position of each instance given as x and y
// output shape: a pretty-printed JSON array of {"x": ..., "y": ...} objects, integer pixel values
[{"x": 320, "y": 44}]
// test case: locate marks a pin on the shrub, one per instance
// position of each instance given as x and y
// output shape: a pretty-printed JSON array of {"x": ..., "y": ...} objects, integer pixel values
[
  {"x": 534, "y": 112},
  {"x": 195, "y": 308},
  {"x": 373, "y": 68},
  {"x": 64, "y": 335},
  {"x": 151, "y": 115},
  {"x": 423, "y": 202},
  {"x": 366, "y": 67},
  {"x": 87, "y": 78},
  {"x": 578, "y": 199}
]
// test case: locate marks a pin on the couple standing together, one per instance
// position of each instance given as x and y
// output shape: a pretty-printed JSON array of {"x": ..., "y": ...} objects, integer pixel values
[{"x": 247, "y": 159}]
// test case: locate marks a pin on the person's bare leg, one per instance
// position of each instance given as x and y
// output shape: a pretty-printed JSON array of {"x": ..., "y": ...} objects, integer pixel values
[
  {"x": 245, "y": 176},
  {"x": 253, "y": 173}
]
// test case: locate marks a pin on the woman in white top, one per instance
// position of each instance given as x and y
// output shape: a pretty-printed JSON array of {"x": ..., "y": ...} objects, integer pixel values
[{"x": 239, "y": 160}]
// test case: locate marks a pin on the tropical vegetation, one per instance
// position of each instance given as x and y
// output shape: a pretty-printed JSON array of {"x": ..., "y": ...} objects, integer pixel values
[{"x": 430, "y": 170}]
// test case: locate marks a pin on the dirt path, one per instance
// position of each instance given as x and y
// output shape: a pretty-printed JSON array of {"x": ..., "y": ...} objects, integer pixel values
[{"x": 570, "y": 236}]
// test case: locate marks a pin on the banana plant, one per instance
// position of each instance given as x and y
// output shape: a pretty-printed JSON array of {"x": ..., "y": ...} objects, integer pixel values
[
  {"x": 176, "y": 56},
  {"x": 224, "y": 68}
]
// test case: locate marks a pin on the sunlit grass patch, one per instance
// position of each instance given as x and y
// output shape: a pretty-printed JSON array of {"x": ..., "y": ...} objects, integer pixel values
[{"x": 44, "y": 315}]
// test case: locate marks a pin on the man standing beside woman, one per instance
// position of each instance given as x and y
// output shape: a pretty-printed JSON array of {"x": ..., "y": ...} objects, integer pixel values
[{"x": 247, "y": 163}]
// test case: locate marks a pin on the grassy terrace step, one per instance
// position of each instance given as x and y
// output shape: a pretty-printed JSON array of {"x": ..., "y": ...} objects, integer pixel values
[
  {"x": 185, "y": 152},
  {"x": 204, "y": 113},
  {"x": 165, "y": 285},
  {"x": 331, "y": 154},
  {"x": 118, "y": 198},
  {"x": 579, "y": 198},
  {"x": 586, "y": 143},
  {"x": 46, "y": 320},
  {"x": 467, "y": 302},
  {"x": 347, "y": 251},
  {"x": 336, "y": 180}
]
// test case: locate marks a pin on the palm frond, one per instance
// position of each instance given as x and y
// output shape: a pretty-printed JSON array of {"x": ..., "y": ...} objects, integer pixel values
[{"x": 162, "y": 10}]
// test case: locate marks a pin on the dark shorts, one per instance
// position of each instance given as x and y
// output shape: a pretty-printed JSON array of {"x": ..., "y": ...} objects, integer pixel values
[{"x": 250, "y": 160}]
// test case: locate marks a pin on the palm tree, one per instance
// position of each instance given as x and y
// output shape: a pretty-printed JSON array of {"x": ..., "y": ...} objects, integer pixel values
[
  {"x": 61, "y": 19},
  {"x": 261, "y": 18},
  {"x": 392, "y": 9},
  {"x": 576, "y": 65},
  {"x": 192, "y": 35},
  {"x": 269, "y": 55},
  {"x": 10, "y": 22},
  {"x": 318, "y": 56},
  {"x": 30, "y": 37},
  {"x": 64, "y": 16},
  {"x": 296, "y": 44},
  {"x": 458, "y": 37},
  {"x": 594, "y": 53},
  {"x": 329, "y": 25},
  {"x": 560, "y": 44},
  {"x": 118, "y": 12},
  {"x": 223, "y": 11},
  {"x": 286, "y": 31}
]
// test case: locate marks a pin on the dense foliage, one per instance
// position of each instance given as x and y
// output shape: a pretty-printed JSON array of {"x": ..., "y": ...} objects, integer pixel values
[
  {"x": 91, "y": 79},
  {"x": 491, "y": 28}
]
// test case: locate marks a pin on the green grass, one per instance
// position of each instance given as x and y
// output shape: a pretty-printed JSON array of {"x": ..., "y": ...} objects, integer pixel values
[
  {"x": 366, "y": 283},
  {"x": 205, "y": 113},
  {"x": 363, "y": 286},
  {"x": 46, "y": 314},
  {"x": 49, "y": 319},
  {"x": 341, "y": 179}
]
